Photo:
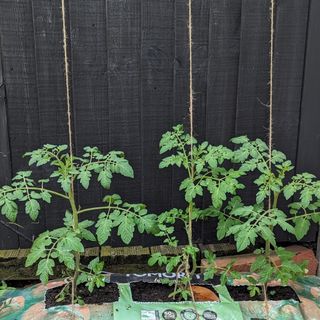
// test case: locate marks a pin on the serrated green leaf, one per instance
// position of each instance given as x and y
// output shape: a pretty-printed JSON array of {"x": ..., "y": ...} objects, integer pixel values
[
  {"x": 46, "y": 196},
  {"x": 72, "y": 242},
  {"x": 88, "y": 235},
  {"x": 146, "y": 223},
  {"x": 104, "y": 227},
  {"x": 301, "y": 227},
  {"x": 240, "y": 140},
  {"x": 288, "y": 191},
  {"x": 34, "y": 256},
  {"x": 126, "y": 169},
  {"x": 65, "y": 184},
  {"x": 244, "y": 239},
  {"x": 9, "y": 210},
  {"x": 104, "y": 178},
  {"x": 32, "y": 208},
  {"x": 126, "y": 229},
  {"x": 45, "y": 268},
  {"x": 84, "y": 177},
  {"x": 68, "y": 260}
]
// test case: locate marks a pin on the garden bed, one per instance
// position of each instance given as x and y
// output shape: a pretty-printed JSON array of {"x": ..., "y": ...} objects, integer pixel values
[
  {"x": 28, "y": 303},
  {"x": 109, "y": 293}
]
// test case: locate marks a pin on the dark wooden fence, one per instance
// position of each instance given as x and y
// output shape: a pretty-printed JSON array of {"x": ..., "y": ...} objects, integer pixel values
[{"x": 129, "y": 71}]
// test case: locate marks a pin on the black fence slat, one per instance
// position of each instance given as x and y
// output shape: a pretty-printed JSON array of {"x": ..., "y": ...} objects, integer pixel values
[
  {"x": 252, "y": 114},
  {"x": 51, "y": 96},
  {"x": 5, "y": 156},
  {"x": 222, "y": 77},
  {"x": 18, "y": 50},
  {"x": 124, "y": 99},
  {"x": 180, "y": 90},
  {"x": 157, "y": 60},
  {"x": 8, "y": 238},
  {"x": 308, "y": 153},
  {"x": 289, "y": 54},
  {"x": 89, "y": 63},
  {"x": 222, "y": 82}
]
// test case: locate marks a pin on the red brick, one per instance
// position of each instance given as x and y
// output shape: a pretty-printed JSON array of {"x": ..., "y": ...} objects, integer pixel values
[{"x": 244, "y": 261}]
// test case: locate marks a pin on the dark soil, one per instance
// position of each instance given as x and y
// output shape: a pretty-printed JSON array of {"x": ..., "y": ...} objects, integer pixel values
[
  {"x": 155, "y": 292},
  {"x": 109, "y": 293},
  {"x": 241, "y": 293},
  {"x": 20, "y": 283}
]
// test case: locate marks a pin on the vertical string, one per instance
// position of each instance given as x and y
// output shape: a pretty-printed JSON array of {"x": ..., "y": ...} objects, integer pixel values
[
  {"x": 190, "y": 74},
  {"x": 191, "y": 126},
  {"x": 271, "y": 53},
  {"x": 66, "y": 74},
  {"x": 67, "y": 83}
]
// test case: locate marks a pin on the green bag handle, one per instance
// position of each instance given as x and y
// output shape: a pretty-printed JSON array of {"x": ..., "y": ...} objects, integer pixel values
[
  {"x": 224, "y": 294},
  {"x": 126, "y": 295}
]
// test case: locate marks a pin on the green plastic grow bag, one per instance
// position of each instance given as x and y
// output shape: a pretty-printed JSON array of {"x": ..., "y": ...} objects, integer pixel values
[
  {"x": 28, "y": 304},
  {"x": 126, "y": 308}
]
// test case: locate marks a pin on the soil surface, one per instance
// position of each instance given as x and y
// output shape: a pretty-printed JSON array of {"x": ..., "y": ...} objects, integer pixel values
[
  {"x": 109, "y": 293},
  {"x": 241, "y": 293},
  {"x": 155, "y": 292}
]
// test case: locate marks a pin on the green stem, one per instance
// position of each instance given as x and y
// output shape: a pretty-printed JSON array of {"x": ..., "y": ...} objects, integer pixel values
[
  {"x": 75, "y": 228},
  {"x": 190, "y": 238},
  {"x": 274, "y": 206},
  {"x": 109, "y": 207},
  {"x": 301, "y": 216},
  {"x": 41, "y": 189}
]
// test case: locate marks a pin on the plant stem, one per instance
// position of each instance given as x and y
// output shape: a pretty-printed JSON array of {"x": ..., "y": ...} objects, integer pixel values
[
  {"x": 266, "y": 303},
  {"x": 274, "y": 206},
  {"x": 41, "y": 189},
  {"x": 77, "y": 254}
]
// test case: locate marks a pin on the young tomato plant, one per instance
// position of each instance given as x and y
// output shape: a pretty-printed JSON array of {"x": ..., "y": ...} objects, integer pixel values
[
  {"x": 247, "y": 223},
  {"x": 205, "y": 169},
  {"x": 65, "y": 244}
]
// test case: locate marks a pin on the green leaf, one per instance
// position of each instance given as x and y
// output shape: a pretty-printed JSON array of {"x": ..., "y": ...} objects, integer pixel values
[
  {"x": 158, "y": 258},
  {"x": 147, "y": 223},
  {"x": 59, "y": 233},
  {"x": 126, "y": 229},
  {"x": 288, "y": 191},
  {"x": 88, "y": 235},
  {"x": 68, "y": 259},
  {"x": 192, "y": 191},
  {"x": 45, "y": 268},
  {"x": 96, "y": 265},
  {"x": 172, "y": 263},
  {"x": 125, "y": 169},
  {"x": 242, "y": 211},
  {"x": 104, "y": 178},
  {"x": 244, "y": 239},
  {"x": 32, "y": 208},
  {"x": 261, "y": 195},
  {"x": 35, "y": 195},
  {"x": 285, "y": 226},
  {"x": 268, "y": 235},
  {"x": 84, "y": 177},
  {"x": 46, "y": 196},
  {"x": 240, "y": 140},
  {"x": 65, "y": 184},
  {"x": 72, "y": 242},
  {"x": 306, "y": 197},
  {"x": 34, "y": 255},
  {"x": 104, "y": 227},
  {"x": 301, "y": 227},
  {"x": 86, "y": 224},
  {"x": 10, "y": 210}
]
